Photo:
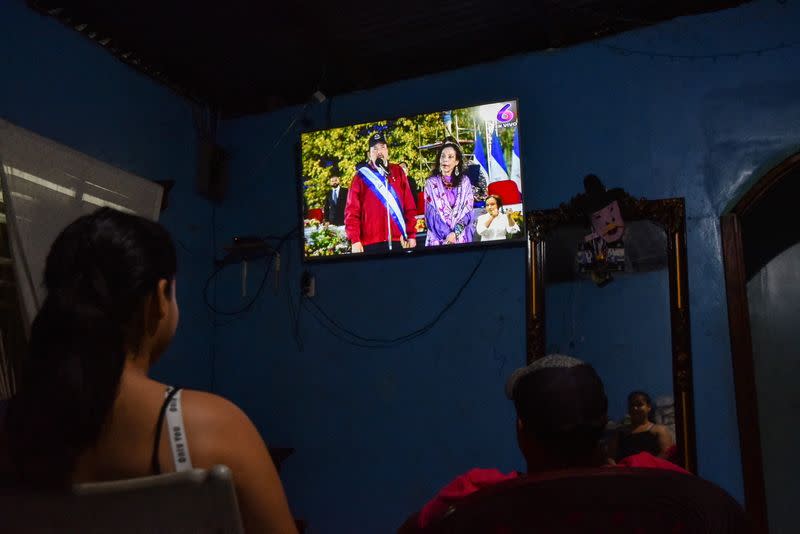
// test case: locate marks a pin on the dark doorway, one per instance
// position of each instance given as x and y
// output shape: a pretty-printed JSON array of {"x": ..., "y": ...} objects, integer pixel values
[{"x": 761, "y": 253}]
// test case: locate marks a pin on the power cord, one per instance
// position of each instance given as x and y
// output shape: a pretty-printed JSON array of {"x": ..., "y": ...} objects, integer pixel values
[
  {"x": 269, "y": 262},
  {"x": 351, "y": 337},
  {"x": 294, "y": 309},
  {"x": 241, "y": 312},
  {"x": 213, "y": 318}
]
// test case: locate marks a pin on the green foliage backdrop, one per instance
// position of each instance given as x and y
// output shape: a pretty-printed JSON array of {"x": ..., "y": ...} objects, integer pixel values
[{"x": 348, "y": 146}]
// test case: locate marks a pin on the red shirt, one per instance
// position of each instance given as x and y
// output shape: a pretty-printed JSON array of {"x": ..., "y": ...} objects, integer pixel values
[
  {"x": 476, "y": 479},
  {"x": 365, "y": 214}
]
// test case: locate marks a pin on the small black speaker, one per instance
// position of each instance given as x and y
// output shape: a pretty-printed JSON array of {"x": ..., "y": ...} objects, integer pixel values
[{"x": 212, "y": 170}]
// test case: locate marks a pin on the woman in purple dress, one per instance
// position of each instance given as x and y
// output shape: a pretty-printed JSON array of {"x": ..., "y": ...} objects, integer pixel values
[{"x": 448, "y": 199}]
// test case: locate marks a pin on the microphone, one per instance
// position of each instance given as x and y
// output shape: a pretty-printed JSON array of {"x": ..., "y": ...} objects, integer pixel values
[{"x": 381, "y": 165}]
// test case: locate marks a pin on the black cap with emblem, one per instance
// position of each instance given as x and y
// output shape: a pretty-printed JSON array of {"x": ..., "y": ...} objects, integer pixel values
[{"x": 376, "y": 138}]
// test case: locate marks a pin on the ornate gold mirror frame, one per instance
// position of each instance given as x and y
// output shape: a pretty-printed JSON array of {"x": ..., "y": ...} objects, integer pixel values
[{"x": 668, "y": 214}]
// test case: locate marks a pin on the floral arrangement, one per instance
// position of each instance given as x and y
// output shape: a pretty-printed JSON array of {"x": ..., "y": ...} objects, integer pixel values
[
  {"x": 311, "y": 223},
  {"x": 326, "y": 241}
]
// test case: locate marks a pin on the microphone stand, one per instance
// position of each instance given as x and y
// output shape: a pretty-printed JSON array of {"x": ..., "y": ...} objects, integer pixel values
[{"x": 385, "y": 173}]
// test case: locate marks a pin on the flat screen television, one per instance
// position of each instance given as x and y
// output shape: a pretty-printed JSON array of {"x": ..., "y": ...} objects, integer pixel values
[{"x": 448, "y": 180}]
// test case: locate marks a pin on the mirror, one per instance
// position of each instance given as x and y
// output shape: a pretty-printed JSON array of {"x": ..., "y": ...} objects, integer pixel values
[{"x": 621, "y": 306}]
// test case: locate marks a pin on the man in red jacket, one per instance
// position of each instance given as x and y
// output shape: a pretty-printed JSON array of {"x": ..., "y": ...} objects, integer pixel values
[
  {"x": 562, "y": 412},
  {"x": 380, "y": 214}
]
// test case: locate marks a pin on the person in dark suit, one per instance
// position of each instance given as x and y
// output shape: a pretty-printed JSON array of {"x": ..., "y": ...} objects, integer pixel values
[
  {"x": 335, "y": 201},
  {"x": 411, "y": 182}
]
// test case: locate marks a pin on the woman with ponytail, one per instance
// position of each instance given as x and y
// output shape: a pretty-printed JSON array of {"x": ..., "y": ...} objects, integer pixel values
[{"x": 86, "y": 409}]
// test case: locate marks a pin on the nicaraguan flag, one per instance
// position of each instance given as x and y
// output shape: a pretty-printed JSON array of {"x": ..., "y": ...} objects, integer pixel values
[
  {"x": 480, "y": 154},
  {"x": 516, "y": 170},
  {"x": 497, "y": 161}
]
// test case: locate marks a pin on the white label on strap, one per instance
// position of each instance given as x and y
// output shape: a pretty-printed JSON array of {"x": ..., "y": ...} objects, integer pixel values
[{"x": 177, "y": 434}]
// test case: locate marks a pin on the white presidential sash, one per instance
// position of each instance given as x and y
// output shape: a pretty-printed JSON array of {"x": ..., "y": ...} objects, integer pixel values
[{"x": 386, "y": 194}]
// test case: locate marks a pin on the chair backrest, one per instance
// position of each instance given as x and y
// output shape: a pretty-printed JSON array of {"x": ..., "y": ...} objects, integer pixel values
[
  {"x": 507, "y": 190},
  {"x": 602, "y": 500},
  {"x": 196, "y": 501}
]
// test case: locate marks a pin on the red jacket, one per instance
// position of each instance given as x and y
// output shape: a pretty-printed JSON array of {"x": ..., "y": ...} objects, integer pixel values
[{"x": 365, "y": 214}]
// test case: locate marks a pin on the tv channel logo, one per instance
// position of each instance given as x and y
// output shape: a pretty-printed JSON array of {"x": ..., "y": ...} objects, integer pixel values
[{"x": 505, "y": 114}]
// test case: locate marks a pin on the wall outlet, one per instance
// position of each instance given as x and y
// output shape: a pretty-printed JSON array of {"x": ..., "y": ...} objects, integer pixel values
[{"x": 308, "y": 285}]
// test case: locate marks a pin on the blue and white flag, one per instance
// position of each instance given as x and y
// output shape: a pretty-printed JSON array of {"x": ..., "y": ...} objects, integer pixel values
[
  {"x": 516, "y": 170},
  {"x": 497, "y": 161},
  {"x": 480, "y": 154}
]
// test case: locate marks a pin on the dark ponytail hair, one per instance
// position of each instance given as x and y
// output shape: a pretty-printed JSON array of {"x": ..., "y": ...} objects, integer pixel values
[{"x": 98, "y": 274}]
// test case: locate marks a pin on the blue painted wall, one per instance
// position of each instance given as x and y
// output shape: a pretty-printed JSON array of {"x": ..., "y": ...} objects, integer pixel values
[
  {"x": 378, "y": 431},
  {"x": 60, "y": 85},
  {"x": 622, "y": 329}
]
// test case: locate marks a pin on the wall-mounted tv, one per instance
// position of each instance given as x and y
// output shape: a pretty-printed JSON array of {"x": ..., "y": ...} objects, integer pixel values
[{"x": 436, "y": 181}]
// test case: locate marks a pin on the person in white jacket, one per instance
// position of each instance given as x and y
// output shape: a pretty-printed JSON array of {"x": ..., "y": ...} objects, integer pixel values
[{"x": 494, "y": 225}]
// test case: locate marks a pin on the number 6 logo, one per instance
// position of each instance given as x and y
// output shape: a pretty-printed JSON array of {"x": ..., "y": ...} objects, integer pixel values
[{"x": 505, "y": 114}]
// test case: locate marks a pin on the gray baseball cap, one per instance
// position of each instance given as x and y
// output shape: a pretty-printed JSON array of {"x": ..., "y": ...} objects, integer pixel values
[{"x": 557, "y": 394}]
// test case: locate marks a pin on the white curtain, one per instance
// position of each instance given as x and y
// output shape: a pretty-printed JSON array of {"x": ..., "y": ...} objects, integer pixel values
[{"x": 46, "y": 186}]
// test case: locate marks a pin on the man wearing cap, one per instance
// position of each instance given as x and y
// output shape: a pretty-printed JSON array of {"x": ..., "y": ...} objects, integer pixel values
[
  {"x": 561, "y": 410},
  {"x": 380, "y": 212}
]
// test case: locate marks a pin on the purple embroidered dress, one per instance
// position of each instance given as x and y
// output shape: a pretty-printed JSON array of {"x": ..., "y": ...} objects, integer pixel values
[{"x": 448, "y": 209}]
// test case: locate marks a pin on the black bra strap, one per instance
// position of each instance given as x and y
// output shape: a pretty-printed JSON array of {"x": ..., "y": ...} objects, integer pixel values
[{"x": 155, "y": 464}]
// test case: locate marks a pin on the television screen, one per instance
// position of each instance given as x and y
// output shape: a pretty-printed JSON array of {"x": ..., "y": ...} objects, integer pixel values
[{"x": 435, "y": 181}]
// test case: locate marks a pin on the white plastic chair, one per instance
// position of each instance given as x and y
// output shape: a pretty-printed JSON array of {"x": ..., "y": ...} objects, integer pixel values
[{"x": 196, "y": 501}]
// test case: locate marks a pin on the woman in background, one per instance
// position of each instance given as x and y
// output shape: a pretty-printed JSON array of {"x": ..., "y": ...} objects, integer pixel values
[
  {"x": 449, "y": 199},
  {"x": 495, "y": 225},
  {"x": 86, "y": 410},
  {"x": 643, "y": 434}
]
